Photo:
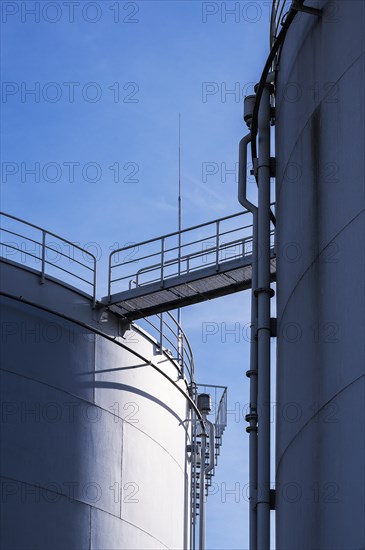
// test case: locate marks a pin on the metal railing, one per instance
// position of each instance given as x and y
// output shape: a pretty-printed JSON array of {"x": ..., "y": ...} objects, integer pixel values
[
  {"x": 278, "y": 12},
  {"x": 171, "y": 338},
  {"x": 218, "y": 416},
  {"x": 179, "y": 253},
  {"x": 47, "y": 253}
]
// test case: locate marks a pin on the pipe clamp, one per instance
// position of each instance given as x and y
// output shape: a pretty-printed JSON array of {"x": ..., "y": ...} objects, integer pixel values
[{"x": 268, "y": 290}]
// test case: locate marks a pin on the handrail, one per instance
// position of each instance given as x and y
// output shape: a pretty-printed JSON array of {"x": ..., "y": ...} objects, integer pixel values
[
  {"x": 268, "y": 66},
  {"x": 48, "y": 232},
  {"x": 277, "y": 16},
  {"x": 162, "y": 250},
  {"x": 219, "y": 411},
  {"x": 42, "y": 243},
  {"x": 179, "y": 327},
  {"x": 186, "y": 257},
  {"x": 186, "y": 361},
  {"x": 39, "y": 256},
  {"x": 167, "y": 235},
  {"x": 217, "y": 418},
  {"x": 48, "y": 247},
  {"x": 190, "y": 243}
]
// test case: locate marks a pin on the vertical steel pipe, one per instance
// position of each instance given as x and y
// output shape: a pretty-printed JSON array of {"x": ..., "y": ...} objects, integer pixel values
[
  {"x": 204, "y": 405},
  {"x": 202, "y": 512},
  {"x": 252, "y": 372},
  {"x": 264, "y": 293}
]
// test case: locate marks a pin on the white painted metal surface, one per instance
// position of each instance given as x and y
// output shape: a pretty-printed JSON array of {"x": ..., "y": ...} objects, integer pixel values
[{"x": 94, "y": 439}]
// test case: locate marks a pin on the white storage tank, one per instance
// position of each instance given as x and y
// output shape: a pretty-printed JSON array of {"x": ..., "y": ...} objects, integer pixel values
[
  {"x": 320, "y": 455},
  {"x": 93, "y": 437}
]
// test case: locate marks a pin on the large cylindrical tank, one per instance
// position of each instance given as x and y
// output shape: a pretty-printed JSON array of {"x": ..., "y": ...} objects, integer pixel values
[
  {"x": 93, "y": 438},
  {"x": 320, "y": 455}
]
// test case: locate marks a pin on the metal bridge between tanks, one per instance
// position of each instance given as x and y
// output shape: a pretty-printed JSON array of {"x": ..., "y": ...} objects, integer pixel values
[{"x": 183, "y": 268}]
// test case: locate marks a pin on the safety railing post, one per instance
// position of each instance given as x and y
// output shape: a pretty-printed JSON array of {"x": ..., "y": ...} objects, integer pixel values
[
  {"x": 94, "y": 284},
  {"x": 161, "y": 331},
  {"x": 217, "y": 247},
  {"x": 110, "y": 278},
  {"x": 43, "y": 256},
  {"x": 162, "y": 259},
  {"x": 180, "y": 352}
]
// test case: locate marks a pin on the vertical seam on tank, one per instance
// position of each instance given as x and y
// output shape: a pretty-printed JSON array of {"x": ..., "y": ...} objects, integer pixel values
[
  {"x": 90, "y": 528},
  {"x": 94, "y": 377},
  {"x": 121, "y": 471}
]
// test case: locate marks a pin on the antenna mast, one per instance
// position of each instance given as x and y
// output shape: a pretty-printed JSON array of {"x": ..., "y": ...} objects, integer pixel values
[{"x": 180, "y": 343}]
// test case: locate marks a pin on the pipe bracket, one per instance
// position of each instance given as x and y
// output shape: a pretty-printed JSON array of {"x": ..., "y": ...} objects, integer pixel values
[
  {"x": 306, "y": 9},
  {"x": 264, "y": 502},
  {"x": 272, "y": 116},
  {"x": 251, "y": 372},
  {"x": 271, "y": 166},
  {"x": 270, "y": 87},
  {"x": 253, "y": 172},
  {"x": 272, "y": 499},
  {"x": 274, "y": 327},
  {"x": 261, "y": 290},
  {"x": 250, "y": 429}
]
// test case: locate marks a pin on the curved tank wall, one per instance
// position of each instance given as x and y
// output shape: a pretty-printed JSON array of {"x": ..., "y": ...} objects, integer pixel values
[
  {"x": 320, "y": 145},
  {"x": 93, "y": 452}
]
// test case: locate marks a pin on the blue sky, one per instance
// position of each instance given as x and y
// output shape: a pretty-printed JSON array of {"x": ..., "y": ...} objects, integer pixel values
[{"x": 108, "y": 94}]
